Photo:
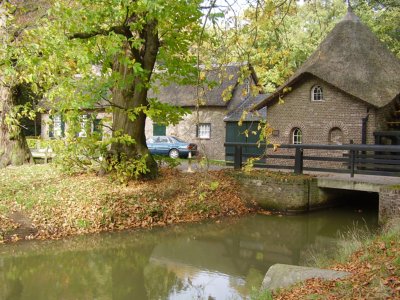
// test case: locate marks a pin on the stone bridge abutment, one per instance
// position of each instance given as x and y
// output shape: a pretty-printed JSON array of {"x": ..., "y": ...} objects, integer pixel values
[{"x": 288, "y": 193}]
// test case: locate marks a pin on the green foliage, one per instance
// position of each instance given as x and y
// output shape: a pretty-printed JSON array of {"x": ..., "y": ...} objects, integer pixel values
[
  {"x": 204, "y": 202},
  {"x": 166, "y": 161},
  {"x": 257, "y": 294},
  {"x": 214, "y": 185},
  {"x": 351, "y": 241},
  {"x": 176, "y": 23},
  {"x": 82, "y": 223},
  {"x": 164, "y": 113},
  {"x": 110, "y": 34},
  {"x": 286, "y": 35},
  {"x": 38, "y": 143},
  {"x": 69, "y": 57},
  {"x": 383, "y": 17},
  {"x": 75, "y": 154},
  {"x": 249, "y": 164},
  {"x": 126, "y": 168},
  {"x": 15, "y": 116},
  {"x": 276, "y": 37}
]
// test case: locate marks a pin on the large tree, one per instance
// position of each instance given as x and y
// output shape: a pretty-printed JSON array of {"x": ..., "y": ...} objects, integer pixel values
[
  {"x": 127, "y": 40},
  {"x": 15, "y": 17}
]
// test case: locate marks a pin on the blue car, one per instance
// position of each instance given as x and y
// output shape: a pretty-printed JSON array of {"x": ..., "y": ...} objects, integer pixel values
[{"x": 171, "y": 146}]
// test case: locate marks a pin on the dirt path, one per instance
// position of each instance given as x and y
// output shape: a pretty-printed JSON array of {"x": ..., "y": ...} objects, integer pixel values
[{"x": 24, "y": 230}]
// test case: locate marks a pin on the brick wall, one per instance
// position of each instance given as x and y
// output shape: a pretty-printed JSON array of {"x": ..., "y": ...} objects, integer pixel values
[
  {"x": 213, "y": 148},
  {"x": 286, "y": 193},
  {"x": 186, "y": 129},
  {"x": 317, "y": 118},
  {"x": 389, "y": 203}
]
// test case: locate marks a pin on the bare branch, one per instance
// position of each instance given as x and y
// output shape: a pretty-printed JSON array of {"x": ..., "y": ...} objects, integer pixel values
[
  {"x": 111, "y": 104},
  {"x": 106, "y": 126}
]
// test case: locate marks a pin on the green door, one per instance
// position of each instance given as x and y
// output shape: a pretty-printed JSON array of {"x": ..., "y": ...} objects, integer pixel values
[
  {"x": 236, "y": 133},
  {"x": 230, "y": 136},
  {"x": 159, "y": 130},
  {"x": 252, "y": 138}
]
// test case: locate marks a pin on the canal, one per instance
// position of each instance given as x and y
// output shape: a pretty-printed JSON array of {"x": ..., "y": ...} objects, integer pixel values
[{"x": 221, "y": 259}]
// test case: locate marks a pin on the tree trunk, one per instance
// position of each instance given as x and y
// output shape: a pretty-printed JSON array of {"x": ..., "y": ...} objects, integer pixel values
[
  {"x": 14, "y": 149},
  {"x": 133, "y": 95},
  {"x": 130, "y": 98}
]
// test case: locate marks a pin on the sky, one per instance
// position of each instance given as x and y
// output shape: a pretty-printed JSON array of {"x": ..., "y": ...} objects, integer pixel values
[{"x": 232, "y": 8}]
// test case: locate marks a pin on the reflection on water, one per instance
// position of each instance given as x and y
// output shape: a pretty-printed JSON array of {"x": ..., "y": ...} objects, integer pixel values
[{"x": 199, "y": 261}]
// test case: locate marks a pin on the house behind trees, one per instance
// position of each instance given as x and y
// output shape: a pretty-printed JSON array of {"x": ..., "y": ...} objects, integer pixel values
[
  {"x": 347, "y": 90},
  {"x": 226, "y": 90}
]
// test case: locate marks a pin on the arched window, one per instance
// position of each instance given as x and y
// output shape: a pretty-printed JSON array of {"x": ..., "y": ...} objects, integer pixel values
[
  {"x": 297, "y": 136},
  {"x": 336, "y": 136},
  {"x": 317, "y": 93}
]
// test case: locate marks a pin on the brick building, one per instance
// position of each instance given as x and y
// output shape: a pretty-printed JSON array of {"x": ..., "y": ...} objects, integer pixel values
[
  {"x": 208, "y": 106},
  {"x": 227, "y": 88},
  {"x": 348, "y": 89}
]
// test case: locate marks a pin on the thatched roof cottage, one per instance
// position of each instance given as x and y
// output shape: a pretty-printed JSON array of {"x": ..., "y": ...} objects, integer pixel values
[{"x": 348, "y": 89}]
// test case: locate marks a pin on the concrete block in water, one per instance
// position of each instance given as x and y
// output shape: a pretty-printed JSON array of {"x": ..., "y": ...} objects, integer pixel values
[{"x": 282, "y": 276}]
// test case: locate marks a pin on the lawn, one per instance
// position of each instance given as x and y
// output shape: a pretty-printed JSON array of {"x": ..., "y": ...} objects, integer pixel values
[{"x": 57, "y": 205}]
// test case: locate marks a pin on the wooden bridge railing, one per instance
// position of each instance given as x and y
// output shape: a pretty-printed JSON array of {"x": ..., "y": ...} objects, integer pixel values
[{"x": 381, "y": 160}]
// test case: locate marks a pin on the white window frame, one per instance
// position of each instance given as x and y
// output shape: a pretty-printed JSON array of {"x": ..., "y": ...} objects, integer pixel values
[
  {"x": 204, "y": 131},
  {"x": 297, "y": 136},
  {"x": 84, "y": 119},
  {"x": 317, "y": 93},
  {"x": 57, "y": 126}
]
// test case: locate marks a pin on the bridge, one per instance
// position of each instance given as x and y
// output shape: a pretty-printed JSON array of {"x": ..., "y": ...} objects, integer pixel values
[
  {"x": 363, "y": 183},
  {"x": 367, "y": 168}
]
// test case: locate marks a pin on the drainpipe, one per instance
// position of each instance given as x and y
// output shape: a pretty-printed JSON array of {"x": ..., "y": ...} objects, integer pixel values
[{"x": 364, "y": 130}]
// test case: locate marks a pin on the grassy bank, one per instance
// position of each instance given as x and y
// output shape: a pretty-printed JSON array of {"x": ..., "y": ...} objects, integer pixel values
[
  {"x": 372, "y": 260},
  {"x": 41, "y": 202}
]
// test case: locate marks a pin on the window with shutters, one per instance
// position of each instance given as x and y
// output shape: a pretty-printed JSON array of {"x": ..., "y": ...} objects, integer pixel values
[{"x": 56, "y": 127}]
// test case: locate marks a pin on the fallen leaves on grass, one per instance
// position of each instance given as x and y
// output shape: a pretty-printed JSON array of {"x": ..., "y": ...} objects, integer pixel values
[
  {"x": 6, "y": 225},
  {"x": 60, "y": 205},
  {"x": 375, "y": 273}
]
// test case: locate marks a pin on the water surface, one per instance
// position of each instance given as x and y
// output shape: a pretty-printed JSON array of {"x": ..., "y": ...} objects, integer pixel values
[{"x": 211, "y": 260}]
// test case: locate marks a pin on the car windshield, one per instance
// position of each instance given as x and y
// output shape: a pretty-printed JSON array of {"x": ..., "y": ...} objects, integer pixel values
[{"x": 177, "y": 139}]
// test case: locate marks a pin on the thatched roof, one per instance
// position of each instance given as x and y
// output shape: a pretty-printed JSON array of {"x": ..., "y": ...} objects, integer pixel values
[
  {"x": 220, "y": 83},
  {"x": 222, "y": 80},
  {"x": 247, "y": 105},
  {"x": 352, "y": 59}
]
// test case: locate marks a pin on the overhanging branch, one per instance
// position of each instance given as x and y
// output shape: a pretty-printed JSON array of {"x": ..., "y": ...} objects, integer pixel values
[{"x": 123, "y": 30}]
